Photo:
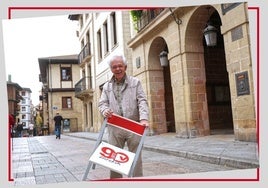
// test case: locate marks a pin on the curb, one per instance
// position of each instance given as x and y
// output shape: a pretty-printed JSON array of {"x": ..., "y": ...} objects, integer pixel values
[
  {"x": 225, "y": 161},
  {"x": 218, "y": 160}
]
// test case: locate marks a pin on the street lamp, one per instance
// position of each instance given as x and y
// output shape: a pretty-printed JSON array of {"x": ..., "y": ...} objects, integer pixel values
[
  {"x": 163, "y": 59},
  {"x": 210, "y": 33}
]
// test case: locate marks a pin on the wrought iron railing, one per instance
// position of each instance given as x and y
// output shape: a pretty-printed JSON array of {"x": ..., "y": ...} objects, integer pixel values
[
  {"x": 147, "y": 17},
  {"x": 83, "y": 84},
  {"x": 84, "y": 53}
]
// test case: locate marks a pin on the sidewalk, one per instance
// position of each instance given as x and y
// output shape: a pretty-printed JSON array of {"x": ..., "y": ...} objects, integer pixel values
[
  {"x": 217, "y": 149},
  {"x": 44, "y": 159}
]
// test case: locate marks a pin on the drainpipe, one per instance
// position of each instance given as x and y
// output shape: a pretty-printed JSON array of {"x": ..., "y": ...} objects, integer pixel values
[
  {"x": 93, "y": 79},
  {"x": 50, "y": 91}
]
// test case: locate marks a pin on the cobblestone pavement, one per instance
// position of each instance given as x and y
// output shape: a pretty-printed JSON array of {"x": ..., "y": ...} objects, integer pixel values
[{"x": 45, "y": 160}]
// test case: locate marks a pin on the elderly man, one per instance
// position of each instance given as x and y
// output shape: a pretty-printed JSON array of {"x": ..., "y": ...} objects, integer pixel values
[{"x": 124, "y": 95}]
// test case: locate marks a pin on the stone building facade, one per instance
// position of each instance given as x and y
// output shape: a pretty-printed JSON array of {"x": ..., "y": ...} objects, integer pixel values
[
  {"x": 25, "y": 115},
  {"x": 58, "y": 76},
  {"x": 14, "y": 98},
  {"x": 203, "y": 89},
  {"x": 101, "y": 34}
]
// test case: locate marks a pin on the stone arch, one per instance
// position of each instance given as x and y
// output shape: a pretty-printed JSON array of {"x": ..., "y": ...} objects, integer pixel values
[
  {"x": 201, "y": 114},
  {"x": 160, "y": 88}
]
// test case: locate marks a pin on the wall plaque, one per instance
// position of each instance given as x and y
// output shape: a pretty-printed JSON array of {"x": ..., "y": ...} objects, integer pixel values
[
  {"x": 242, "y": 84},
  {"x": 138, "y": 62}
]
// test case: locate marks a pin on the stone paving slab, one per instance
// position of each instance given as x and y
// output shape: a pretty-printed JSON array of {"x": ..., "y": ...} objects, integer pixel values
[
  {"x": 43, "y": 160},
  {"x": 217, "y": 149}
]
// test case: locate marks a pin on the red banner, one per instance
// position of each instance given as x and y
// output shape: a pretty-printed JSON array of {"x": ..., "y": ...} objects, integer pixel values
[{"x": 126, "y": 124}]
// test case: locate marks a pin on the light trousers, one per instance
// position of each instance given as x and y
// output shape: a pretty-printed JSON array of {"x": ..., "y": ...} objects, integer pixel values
[{"x": 119, "y": 138}]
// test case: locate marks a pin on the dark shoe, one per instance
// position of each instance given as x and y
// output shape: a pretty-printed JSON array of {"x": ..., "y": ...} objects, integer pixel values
[{"x": 56, "y": 137}]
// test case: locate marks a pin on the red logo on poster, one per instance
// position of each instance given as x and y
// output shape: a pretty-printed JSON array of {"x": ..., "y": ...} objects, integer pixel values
[{"x": 116, "y": 156}]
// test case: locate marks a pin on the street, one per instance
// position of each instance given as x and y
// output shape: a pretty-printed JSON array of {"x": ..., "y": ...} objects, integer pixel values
[{"x": 45, "y": 159}]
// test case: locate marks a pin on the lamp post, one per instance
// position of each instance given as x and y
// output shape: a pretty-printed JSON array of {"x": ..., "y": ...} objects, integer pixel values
[{"x": 210, "y": 34}]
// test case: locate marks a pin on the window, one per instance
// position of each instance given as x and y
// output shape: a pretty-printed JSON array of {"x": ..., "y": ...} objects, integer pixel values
[
  {"x": 105, "y": 37},
  {"x": 23, "y": 101},
  {"x": 23, "y": 109},
  {"x": 66, "y": 73},
  {"x": 89, "y": 77},
  {"x": 23, "y": 93},
  {"x": 218, "y": 94},
  {"x": 113, "y": 29},
  {"x": 66, "y": 102},
  {"x": 81, "y": 56},
  {"x": 86, "y": 16},
  {"x": 82, "y": 44},
  {"x": 81, "y": 22},
  {"x": 88, "y": 37},
  {"x": 66, "y": 125},
  {"x": 99, "y": 44}
]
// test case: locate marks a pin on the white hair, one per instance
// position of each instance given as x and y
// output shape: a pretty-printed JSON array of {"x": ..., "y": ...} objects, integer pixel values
[{"x": 116, "y": 56}]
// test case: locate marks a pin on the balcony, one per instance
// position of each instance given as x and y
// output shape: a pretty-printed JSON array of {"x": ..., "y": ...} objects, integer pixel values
[
  {"x": 83, "y": 88},
  {"x": 85, "y": 54},
  {"x": 147, "y": 17}
]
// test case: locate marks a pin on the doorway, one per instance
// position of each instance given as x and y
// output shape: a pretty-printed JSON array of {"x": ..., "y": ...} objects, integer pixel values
[
  {"x": 169, "y": 109},
  {"x": 217, "y": 84}
]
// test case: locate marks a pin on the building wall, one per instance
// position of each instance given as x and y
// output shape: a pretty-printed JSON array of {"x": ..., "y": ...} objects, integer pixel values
[
  {"x": 13, "y": 94},
  {"x": 99, "y": 69},
  {"x": 57, "y": 89},
  {"x": 55, "y": 81},
  {"x": 188, "y": 62},
  {"x": 239, "y": 59},
  {"x": 73, "y": 114},
  {"x": 188, "y": 71},
  {"x": 12, "y": 103},
  {"x": 25, "y": 108},
  {"x": 103, "y": 72}
]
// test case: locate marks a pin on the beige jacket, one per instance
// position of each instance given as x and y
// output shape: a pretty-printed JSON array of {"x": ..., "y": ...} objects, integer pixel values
[{"x": 134, "y": 102}]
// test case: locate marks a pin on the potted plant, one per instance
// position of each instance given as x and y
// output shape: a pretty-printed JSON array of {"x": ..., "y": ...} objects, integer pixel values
[{"x": 136, "y": 15}]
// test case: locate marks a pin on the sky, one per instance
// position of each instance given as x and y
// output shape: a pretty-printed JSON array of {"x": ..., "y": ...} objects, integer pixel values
[{"x": 27, "y": 39}]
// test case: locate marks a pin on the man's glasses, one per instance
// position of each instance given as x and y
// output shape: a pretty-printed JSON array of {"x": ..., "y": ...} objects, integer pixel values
[{"x": 117, "y": 66}]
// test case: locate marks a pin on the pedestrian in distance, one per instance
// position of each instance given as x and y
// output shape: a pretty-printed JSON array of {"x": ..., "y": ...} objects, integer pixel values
[
  {"x": 124, "y": 96},
  {"x": 11, "y": 122},
  {"x": 58, "y": 121},
  {"x": 31, "y": 128},
  {"x": 19, "y": 129}
]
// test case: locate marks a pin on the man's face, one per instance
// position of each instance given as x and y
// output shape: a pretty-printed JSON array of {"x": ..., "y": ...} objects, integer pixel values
[{"x": 118, "y": 68}]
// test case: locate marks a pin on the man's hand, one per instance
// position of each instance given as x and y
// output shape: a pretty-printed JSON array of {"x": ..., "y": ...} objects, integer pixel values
[
  {"x": 107, "y": 113},
  {"x": 144, "y": 122}
]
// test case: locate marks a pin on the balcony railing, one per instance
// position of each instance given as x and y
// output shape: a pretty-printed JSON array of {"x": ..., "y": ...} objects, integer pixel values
[
  {"x": 85, "y": 52},
  {"x": 147, "y": 17},
  {"x": 83, "y": 88}
]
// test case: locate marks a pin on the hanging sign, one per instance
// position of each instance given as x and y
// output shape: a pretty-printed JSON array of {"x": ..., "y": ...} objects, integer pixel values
[{"x": 112, "y": 157}]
